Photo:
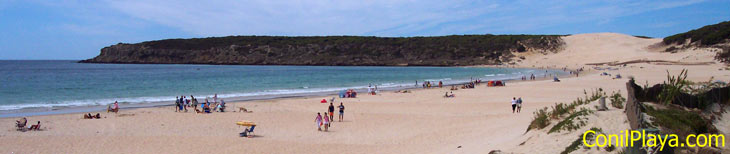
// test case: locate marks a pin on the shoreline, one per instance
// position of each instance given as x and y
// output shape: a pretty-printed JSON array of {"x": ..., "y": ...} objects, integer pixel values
[{"x": 41, "y": 111}]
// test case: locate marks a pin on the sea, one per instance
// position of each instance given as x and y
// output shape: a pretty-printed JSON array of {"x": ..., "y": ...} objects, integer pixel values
[{"x": 47, "y": 85}]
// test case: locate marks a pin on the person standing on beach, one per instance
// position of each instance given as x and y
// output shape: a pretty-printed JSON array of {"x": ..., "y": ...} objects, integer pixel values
[
  {"x": 342, "y": 111},
  {"x": 187, "y": 103},
  {"x": 215, "y": 98},
  {"x": 441, "y": 84},
  {"x": 514, "y": 104},
  {"x": 331, "y": 109},
  {"x": 319, "y": 121},
  {"x": 195, "y": 102},
  {"x": 182, "y": 103},
  {"x": 177, "y": 104},
  {"x": 519, "y": 104}
]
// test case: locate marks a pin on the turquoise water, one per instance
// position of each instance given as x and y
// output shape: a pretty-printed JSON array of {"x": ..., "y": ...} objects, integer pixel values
[{"x": 55, "y": 84}]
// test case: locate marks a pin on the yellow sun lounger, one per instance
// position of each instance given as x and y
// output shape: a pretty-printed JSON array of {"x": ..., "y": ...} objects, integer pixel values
[{"x": 245, "y": 123}]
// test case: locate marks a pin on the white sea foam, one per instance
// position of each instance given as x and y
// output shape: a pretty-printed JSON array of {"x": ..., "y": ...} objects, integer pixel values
[
  {"x": 137, "y": 100},
  {"x": 300, "y": 91}
]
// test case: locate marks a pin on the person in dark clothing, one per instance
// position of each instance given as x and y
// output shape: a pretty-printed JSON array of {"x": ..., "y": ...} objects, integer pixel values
[
  {"x": 342, "y": 110},
  {"x": 331, "y": 111}
]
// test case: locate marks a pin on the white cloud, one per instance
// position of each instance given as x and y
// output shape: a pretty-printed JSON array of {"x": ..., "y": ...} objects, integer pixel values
[{"x": 315, "y": 17}]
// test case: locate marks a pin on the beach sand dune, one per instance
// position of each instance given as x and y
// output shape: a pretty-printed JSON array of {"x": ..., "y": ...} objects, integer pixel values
[{"x": 475, "y": 121}]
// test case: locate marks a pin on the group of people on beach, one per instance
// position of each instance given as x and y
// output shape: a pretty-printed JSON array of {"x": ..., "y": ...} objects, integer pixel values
[
  {"x": 576, "y": 72},
  {"x": 372, "y": 91},
  {"x": 182, "y": 103},
  {"x": 516, "y": 104},
  {"x": 532, "y": 77},
  {"x": 468, "y": 85},
  {"x": 89, "y": 116},
  {"x": 20, "y": 124},
  {"x": 428, "y": 84},
  {"x": 349, "y": 93},
  {"x": 328, "y": 117}
]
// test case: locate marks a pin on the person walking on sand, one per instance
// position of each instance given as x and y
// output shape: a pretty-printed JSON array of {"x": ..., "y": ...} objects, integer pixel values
[
  {"x": 326, "y": 122},
  {"x": 514, "y": 104},
  {"x": 519, "y": 104},
  {"x": 319, "y": 121},
  {"x": 195, "y": 103},
  {"x": 331, "y": 110},
  {"x": 342, "y": 111}
]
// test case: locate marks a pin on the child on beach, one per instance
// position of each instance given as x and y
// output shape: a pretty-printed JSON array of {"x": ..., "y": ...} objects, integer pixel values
[
  {"x": 514, "y": 104},
  {"x": 319, "y": 121},
  {"x": 326, "y": 122}
]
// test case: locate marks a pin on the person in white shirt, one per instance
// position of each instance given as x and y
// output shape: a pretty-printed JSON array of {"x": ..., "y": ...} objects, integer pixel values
[{"x": 514, "y": 104}]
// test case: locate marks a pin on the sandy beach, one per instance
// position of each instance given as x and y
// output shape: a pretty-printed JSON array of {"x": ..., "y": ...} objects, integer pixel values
[{"x": 477, "y": 120}]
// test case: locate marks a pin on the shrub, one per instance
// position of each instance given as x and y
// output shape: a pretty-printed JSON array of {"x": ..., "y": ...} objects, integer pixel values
[
  {"x": 707, "y": 35},
  {"x": 542, "y": 117},
  {"x": 559, "y": 109},
  {"x": 579, "y": 142},
  {"x": 540, "y": 120},
  {"x": 572, "y": 122},
  {"x": 680, "y": 122},
  {"x": 617, "y": 100},
  {"x": 672, "y": 89}
]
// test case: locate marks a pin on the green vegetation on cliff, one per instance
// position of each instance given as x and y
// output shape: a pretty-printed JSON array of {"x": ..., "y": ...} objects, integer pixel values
[
  {"x": 707, "y": 35},
  {"x": 454, "y": 50},
  {"x": 715, "y": 36}
]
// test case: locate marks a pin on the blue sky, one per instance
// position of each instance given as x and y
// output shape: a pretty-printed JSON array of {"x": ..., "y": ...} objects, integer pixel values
[{"x": 48, "y": 29}]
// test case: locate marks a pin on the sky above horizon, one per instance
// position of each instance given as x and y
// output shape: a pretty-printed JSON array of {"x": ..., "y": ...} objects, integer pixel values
[{"x": 78, "y": 29}]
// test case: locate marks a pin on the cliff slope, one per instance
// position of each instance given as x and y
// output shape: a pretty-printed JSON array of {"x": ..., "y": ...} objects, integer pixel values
[{"x": 455, "y": 50}]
